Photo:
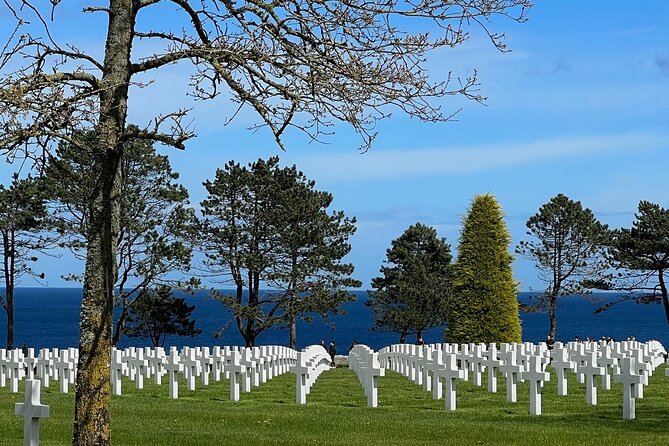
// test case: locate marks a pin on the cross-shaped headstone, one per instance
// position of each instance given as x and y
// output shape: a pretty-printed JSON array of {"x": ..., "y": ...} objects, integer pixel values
[
  {"x": 15, "y": 366},
  {"x": 561, "y": 363},
  {"x": 32, "y": 410},
  {"x": 450, "y": 373},
  {"x": 513, "y": 372},
  {"x": 45, "y": 366},
  {"x": 492, "y": 363},
  {"x": 63, "y": 365},
  {"x": 173, "y": 367},
  {"x": 477, "y": 360},
  {"x": 590, "y": 370},
  {"x": 536, "y": 375},
  {"x": 116, "y": 367},
  {"x": 191, "y": 367},
  {"x": 631, "y": 382}
]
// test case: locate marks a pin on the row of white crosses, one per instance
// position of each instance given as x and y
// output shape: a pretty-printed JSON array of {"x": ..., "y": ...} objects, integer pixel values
[
  {"x": 60, "y": 365},
  {"x": 244, "y": 367},
  {"x": 309, "y": 364},
  {"x": 365, "y": 363},
  {"x": 439, "y": 366},
  {"x": 249, "y": 367}
]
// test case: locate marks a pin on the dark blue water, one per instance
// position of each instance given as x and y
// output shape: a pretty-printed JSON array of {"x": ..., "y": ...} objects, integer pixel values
[{"x": 49, "y": 317}]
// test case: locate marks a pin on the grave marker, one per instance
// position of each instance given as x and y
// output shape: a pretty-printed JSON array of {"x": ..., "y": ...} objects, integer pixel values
[{"x": 32, "y": 410}]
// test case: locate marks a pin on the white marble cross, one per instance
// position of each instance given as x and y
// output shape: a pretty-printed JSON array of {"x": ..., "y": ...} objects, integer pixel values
[
  {"x": 63, "y": 365},
  {"x": 116, "y": 366},
  {"x": 561, "y": 364},
  {"x": 536, "y": 375},
  {"x": 450, "y": 372},
  {"x": 477, "y": 363},
  {"x": 631, "y": 382},
  {"x": 610, "y": 363},
  {"x": 173, "y": 367},
  {"x": 590, "y": 370},
  {"x": 492, "y": 364},
  {"x": 236, "y": 369},
  {"x": 32, "y": 410},
  {"x": 513, "y": 372},
  {"x": 15, "y": 367},
  {"x": 191, "y": 367}
]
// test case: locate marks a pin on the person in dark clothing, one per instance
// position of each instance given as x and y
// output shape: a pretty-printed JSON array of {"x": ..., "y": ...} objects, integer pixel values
[{"x": 333, "y": 351}]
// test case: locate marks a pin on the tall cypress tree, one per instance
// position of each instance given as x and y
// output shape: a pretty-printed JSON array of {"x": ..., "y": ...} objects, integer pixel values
[{"x": 484, "y": 307}]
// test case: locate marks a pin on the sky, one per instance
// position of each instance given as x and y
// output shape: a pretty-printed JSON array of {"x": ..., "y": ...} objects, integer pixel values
[{"x": 579, "y": 106}]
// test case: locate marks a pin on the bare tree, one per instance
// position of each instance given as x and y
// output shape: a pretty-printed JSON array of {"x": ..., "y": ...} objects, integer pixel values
[{"x": 297, "y": 63}]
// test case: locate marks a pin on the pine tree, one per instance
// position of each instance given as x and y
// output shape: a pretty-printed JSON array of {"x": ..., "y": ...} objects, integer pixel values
[
  {"x": 484, "y": 306},
  {"x": 567, "y": 246},
  {"x": 413, "y": 290},
  {"x": 265, "y": 225},
  {"x": 157, "y": 314}
]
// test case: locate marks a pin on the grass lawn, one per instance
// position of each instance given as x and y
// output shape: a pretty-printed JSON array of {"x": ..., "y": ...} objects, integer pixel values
[{"x": 337, "y": 414}]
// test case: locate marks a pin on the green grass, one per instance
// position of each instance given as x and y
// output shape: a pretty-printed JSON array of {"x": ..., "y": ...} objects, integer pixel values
[{"x": 337, "y": 414}]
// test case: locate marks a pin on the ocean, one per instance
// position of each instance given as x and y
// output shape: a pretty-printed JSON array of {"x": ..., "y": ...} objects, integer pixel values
[{"x": 49, "y": 317}]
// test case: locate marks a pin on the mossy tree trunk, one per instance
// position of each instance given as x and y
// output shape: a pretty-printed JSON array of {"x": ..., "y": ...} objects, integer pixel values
[{"x": 92, "y": 418}]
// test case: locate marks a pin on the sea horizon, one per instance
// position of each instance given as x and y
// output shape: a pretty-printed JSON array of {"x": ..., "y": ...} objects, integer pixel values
[{"x": 49, "y": 317}]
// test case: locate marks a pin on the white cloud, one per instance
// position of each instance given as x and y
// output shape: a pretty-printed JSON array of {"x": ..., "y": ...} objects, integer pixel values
[{"x": 389, "y": 164}]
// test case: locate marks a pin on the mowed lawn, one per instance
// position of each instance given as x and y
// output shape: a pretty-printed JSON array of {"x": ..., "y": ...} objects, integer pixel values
[{"x": 337, "y": 414}]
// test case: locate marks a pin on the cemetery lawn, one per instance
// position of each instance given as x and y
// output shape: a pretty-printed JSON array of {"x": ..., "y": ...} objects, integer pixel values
[{"x": 337, "y": 414}]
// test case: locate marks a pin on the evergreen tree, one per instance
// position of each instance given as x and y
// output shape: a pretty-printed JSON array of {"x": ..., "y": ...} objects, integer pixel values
[
  {"x": 413, "y": 291},
  {"x": 157, "y": 314},
  {"x": 641, "y": 256},
  {"x": 308, "y": 271},
  {"x": 568, "y": 249},
  {"x": 484, "y": 306},
  {"x": 264, "y": 224},
  {"x": 156, "y": 222},
  {"x": 23, "y": 224}
]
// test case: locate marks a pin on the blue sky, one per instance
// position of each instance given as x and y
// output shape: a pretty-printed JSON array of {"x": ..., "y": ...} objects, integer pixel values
[{"x": 580, "y": 106}]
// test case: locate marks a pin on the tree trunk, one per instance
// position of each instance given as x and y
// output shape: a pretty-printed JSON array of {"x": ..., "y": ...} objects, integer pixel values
[
  {"x": 403, "y": 336},
  {"x": 8, "y": 273},
  {"x": 419, "y": 335},
  {"x": 9, "y": 295},
  {"x": 552, "y": 318},
  {"x": 665, "y": 298},
  {"x": 293, "y": 333},
  {"x": 92, "y": 411},
  {"x": 120, "y": 323}
]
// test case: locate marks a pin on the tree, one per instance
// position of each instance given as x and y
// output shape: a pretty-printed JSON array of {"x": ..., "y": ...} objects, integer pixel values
[
  {"x": 568, "y": 250},
  {"x": 23, "y": 222},
  {"x": 308, "y": 270},
  {"x": 298, "y": 64},
  {"x": 413, "y": 291},
  {"x": 641, "y": 256},
  {"x": 484, "y": 306},
  {"x": 157, "y": 314},
  {"x": 156, "y": 223},
  {"x": 268, "y": 225}
]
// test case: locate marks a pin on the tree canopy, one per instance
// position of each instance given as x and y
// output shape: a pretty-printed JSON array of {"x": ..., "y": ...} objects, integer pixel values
[
  {"x": 264, "y": 225},
  {"x": 157, "y": 224},
  {"x": 23, "y": 236},
  {"x": 412, "y": 293},
  {"x": 157, "y": 314},
  {"x": 484, "y": 306},
  {"x": 568, "y": 249},
  {"x": 640, "y": 255}
]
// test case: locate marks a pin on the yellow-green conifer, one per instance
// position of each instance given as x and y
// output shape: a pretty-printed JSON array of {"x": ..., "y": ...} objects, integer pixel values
[{"x": 484, "y": 307}]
